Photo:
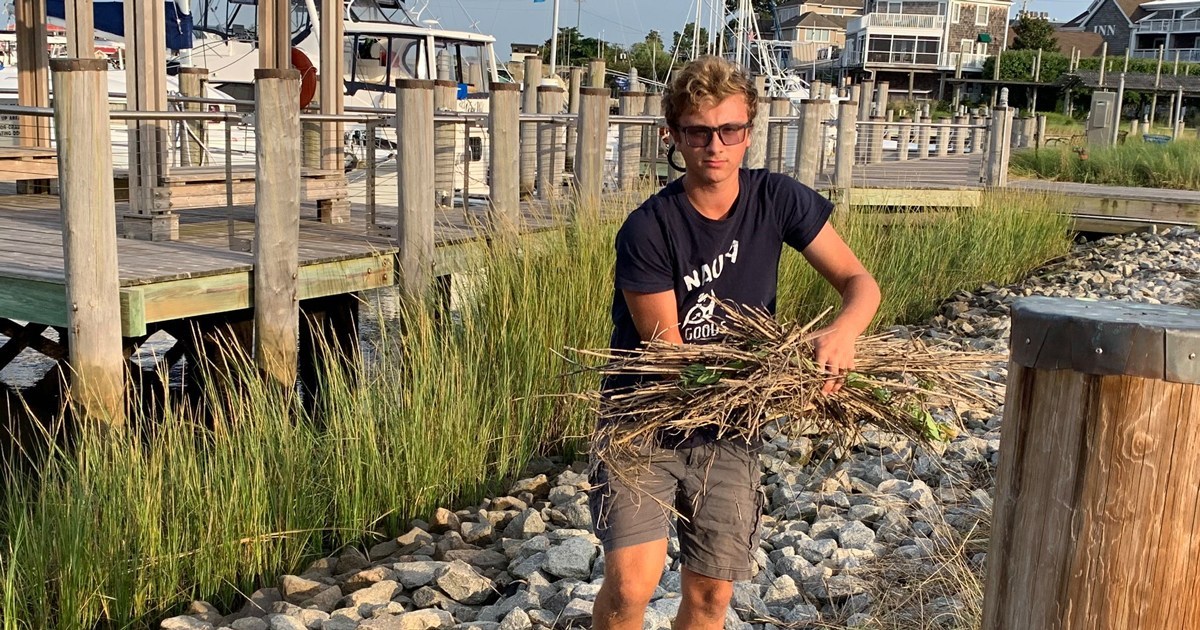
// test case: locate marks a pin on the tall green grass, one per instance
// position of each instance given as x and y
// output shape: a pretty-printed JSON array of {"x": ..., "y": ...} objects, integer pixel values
[
  {"x": 1175, "y": 164},
  {"x": 119, "y": 529}
]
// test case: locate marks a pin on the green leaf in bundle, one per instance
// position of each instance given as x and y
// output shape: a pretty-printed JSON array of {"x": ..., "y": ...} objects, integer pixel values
[
  {"x": 929, "y": 427},
  {"x": 697, "y": 375}
]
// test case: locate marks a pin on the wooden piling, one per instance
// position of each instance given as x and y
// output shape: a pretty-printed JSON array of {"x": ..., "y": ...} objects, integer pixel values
[
  {"x": 192, "y": 83},
  {"x": 875, "y": 142},
  {"x": 1095, "y": 507},
  {"x": 33, "y": 78},
  {"x": 504, "y": 156},
  {"x": 445, "y": 153},
  {"x": 960, "y": 135},
  {"x": 651, "y": 142},
  {"x": 996, "y": 172},
  {"x": 81, "y": 29},
  {"x": 629, "y": 141},
  {"x": 1039, "y": 138},
  {"x": 550, "y": 153},
  {"x": 756, "y": 154},
  {"x": 943, "y": 142},
  {"x": 576, "y": 82},
  {"x": 533, "y": 78},
  {"x": 277, "y": 223},
  {"x": 329, "y": 95},
  {"x": 89, "y": 238},
  {"x": 589, "y": 154},
  {"x": 924, "y": 135},
  {"x": 596, "y": 71},
  {"x": 847, "y": 137},
  {"x": 905, "y": 134},
  {"x": 977, "y": 133},
  {"x": 777, "y": 134},
  {"x": 866, "y": 100},
  {"x": 146, "y": 90},
  {"x": 810, "y": 141},
  {"x": 414, "y": 185}
]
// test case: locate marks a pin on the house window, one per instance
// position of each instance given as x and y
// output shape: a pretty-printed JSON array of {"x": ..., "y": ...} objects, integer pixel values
[
  {"x": 955, "y": 13},
  {"x": 816, "y": 35},
  {"x": 839, "y": 11},
  {"x": 981, "y": 15},
  {"x": 890, "y": 7},
  {"x": 965, "y": 45},
  {"x": 981, "y": 48}
]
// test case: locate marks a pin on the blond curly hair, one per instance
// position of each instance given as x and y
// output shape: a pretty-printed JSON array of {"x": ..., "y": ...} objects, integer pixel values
[{"x": 705, "y": 82}]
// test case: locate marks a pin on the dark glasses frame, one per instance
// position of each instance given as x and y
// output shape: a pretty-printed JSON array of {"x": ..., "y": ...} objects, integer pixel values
[{"x": 699, "y": 136}]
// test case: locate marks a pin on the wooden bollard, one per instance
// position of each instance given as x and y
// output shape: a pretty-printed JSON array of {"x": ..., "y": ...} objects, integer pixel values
[
  {"x": 977, "y": 133},
  {"x": 277, "y": 223},
  {"x": 902, "y": 140},
  {"x": 192, "y": 83},
  {"x": 866, "y": 100},
  {"x": 924, "y": 137},
  {"x": 881, "y": 97},
  {"x": 629, "y": 143},
  {"x": 596, "y": 72},
  {"x": 445, "y": 100},
  {"x": 810, "y": 141},
  {"x": 414, "y": 186},
  {"x": 650, "y": 133},
  {"x": 943, "y": 141},
  {"x": 1097, "y": 489},
  {"x": 756, "y": 153},
  {"x": 533, "y": 78},
  {"x": 960, "y": 135},
  {"x": 875, "y": 142},
  {"x": 89, "y": 237},
  {"x": 576, "y": 82},
  {"x": 550, "y": 153},
  {"x": 504, "y": 156},
  {"x": 777, "y": 134},
  {"x": 996, "y": 171},
  {"x": 847, "y": 137},
  {"x": 1039, "y": 138},
  {"x": 589, "y": 155}
]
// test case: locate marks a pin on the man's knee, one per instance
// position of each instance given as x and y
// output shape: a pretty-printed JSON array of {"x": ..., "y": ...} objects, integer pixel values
[
  {"x": 708, "y": 596},
  {"x": 631, "y": 575}
]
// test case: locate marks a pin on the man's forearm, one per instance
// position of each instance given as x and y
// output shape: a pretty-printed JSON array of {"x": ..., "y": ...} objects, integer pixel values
[{"x": 860, "y": 301}]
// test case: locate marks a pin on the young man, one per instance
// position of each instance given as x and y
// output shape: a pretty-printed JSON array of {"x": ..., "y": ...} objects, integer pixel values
[{"x": 715, "y": 235}]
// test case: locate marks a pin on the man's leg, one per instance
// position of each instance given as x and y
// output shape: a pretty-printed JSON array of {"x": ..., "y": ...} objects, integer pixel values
[
  {"x": 705, "y": 601},
  {"x": 630, "y": 576}
]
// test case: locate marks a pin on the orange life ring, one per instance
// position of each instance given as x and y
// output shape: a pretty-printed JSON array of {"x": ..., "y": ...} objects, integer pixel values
[{"x": 308, "y": 76}]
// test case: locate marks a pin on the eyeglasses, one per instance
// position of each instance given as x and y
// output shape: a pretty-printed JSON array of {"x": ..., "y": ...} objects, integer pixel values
[{"x": 697, "y": 136}]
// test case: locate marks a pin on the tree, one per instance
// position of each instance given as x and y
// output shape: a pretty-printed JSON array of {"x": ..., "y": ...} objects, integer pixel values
[
  {"x": 1033, "y": 32},
  {"x": 681, "y": 43},
  {"x": 762, "y": 8},
  {"x": 573, "y": 47},
  {"x": 649, "y": 57}
]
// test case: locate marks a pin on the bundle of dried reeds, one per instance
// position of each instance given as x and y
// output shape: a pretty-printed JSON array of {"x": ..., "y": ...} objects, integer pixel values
[{"x": 763, "y": 372}]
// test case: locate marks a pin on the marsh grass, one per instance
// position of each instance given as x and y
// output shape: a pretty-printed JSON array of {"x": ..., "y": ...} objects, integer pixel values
[
  {"x": 213, "y": 498},
  {"x": 1175, "y": 164}
]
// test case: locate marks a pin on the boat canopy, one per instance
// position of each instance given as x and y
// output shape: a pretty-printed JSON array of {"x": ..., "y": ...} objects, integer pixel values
[{"x": 109, "y": 17}]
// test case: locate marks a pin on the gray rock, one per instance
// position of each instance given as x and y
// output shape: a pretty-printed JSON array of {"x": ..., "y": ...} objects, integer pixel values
[
  {"x": 296, "y": 589},
  {"x": 527, "y": 567},
  {"x": 477, "y": 625},
  {"x": 577, "y": 610},
  {"x": 383, "y": 549},
  {"x": 835, "y": 587},
  {"x": 414, "y": 537},
  {"x": 340, "y": 622},
  {"x": 477, "y": 533},
  {"x": 800, "y": 615},
  {"x": 313, "y": 618},
  {"x": 783, "y": 592},
  {"x": 284, "y": 608},
  {"x": 815, "y": 551},
  {"x": 185, "y": 622},
  {"x": 412, "y": 575},
  {"x": 463, "y": 584},
  {"x": 855, "y": 535},
  {"x": 522, "y": 600},
  {"x": 378, "y": 593},
  {"x": 367, "y": 577},
  {"x": 571, "y": 559},
  {"x": 747, "y": 600},
  {"x": 543, "y": 618},
  {"x": 416, "y": 620},
  {"x": 537, "y": 486},
  {"x": 478, "y": 558},
  {"x": 444, "y": 520},
  {"x": 516, "y": 620},
  {"x": 260, "y": 602},
  {"x": 204, "y": 611},
  {"x": 351, "y": 560},
  {"x": 429, "y": 597},
  {"x": 284, "y": 622},
  {"x": 249, "y": 623},
  {"x": 326, "y": 600},
  {"x": 527, "y": 524}
]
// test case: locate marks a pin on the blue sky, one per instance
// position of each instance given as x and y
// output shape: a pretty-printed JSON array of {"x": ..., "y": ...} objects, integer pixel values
[{"x": 622, "y": 21}]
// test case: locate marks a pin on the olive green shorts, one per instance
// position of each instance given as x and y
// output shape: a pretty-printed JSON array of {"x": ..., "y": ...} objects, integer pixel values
[{"x": 714, "y": 489}]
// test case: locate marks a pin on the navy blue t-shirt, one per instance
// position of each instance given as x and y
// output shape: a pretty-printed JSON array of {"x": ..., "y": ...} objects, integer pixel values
[{"x": 666, "y": 244}]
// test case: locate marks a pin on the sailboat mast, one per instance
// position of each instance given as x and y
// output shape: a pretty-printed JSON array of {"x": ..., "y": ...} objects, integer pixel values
[
  {"x": 696, "y": 29},
  {"x": 554, "y": 41}
]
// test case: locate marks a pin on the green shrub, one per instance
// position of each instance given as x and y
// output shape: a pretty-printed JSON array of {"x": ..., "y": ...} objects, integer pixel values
[{"x": 1175, "y": 164}]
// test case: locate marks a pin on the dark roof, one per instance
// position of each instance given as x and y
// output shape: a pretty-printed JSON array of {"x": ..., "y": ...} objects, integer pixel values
[
  {"x": 1138, "y": 81},
  {"x": 1131, "y": 8},
  {"x": 813, "y": 19},
  {"x": 848, "y": 4},
  {"x": 1088, "y": 44}
]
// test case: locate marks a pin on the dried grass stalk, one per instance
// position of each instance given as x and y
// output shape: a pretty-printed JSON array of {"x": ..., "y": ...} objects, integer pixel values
[{"x": 763, "y": 372}]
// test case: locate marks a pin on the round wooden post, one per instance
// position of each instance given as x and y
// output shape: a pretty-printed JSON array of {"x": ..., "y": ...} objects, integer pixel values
[
  {"x": 875, "y": 140},
  {"x": 89, "y": 238},
  {"x": 902, "y": 140},
  {"x": 847, "y": 137},
  {"x": 810, "y": 141},
  {"x": 550, "y": 154},
  {"x": 414, "y": 185},
  {"x": 589, "y": 155},
  {"x": 881, "y": 97},
  {"x": 529, "y": 102},
  {"x": 192, "y": 82},
  {"x": 977, "y": 134},
  {"x": 445, "y": 99},
  {"x": 756, "y": 154},
  {"x": 777, "y": 135},
  {"x": 596, "y": 72},
  {"x": 629, "y": 149},
  {"x": 277, "y": 223},
  {"x": 1097, "y": 491},
  {"x": 504, "y": 157},
  {"x": 924, "y": 134},
  {"x": 576, "y": 82},
  {"x": 943, "y": 135},
  {"x": 960, "y": 135},
  {"x": 866, "y": 100},
  {"x": 650, "y": 133}
]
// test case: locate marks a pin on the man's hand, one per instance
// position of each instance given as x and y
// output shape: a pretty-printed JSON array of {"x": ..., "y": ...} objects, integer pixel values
[{"x": 833, "y": 351}]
